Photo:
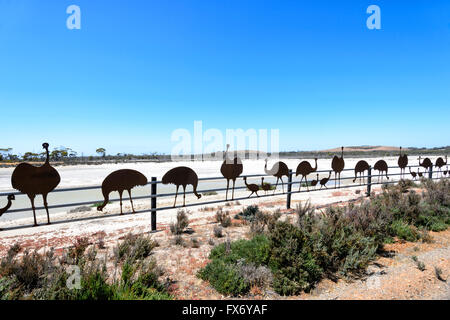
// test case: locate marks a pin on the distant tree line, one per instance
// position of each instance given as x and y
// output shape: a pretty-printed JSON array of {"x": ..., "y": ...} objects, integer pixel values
[{"x": 67, "y": 155}]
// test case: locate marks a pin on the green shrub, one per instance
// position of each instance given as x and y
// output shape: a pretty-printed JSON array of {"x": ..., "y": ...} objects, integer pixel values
[
  {"x": 248, "y": 213},
  {"x": 404, "y": 231},
  {"x": 134, "y": 247},
  {"x": 254, "y": 251},
  {"x": 224, "y": 278},
  {"x": 295, "y": 266},
  {"x": 228, "y": 272},
  {"x": 341, "y": 241},
  {"x": 43, "y": 276}
]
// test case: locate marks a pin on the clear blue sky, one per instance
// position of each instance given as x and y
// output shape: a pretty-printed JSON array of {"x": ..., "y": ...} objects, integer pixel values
[{"x": 137, "y": 70}]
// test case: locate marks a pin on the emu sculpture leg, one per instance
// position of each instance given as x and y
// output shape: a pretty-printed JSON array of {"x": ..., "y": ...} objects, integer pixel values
[
  {"x": 120, "y": 195},
  {"x": 184, "y": 196},
  {"x": 34, "y": 209},
  {"x": 44, "y": 196},
  {"x": 232, "y": 195},
  {"x": 226, "y": 194},
  {"x": 306, "y": 181},
  {"x": 131, "y": 200},
  {"x": 276, "y": 184},
  {"x": 176, "y": 194}
]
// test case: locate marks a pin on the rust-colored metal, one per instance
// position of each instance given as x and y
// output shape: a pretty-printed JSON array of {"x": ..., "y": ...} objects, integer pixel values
[
  {"x": 440, "y": 163},
  {"x": 338, "y": 165},
  {"x": 315, "y": 182},
  {"x": 360, "y": 167},
  {"x": 182, "y": 176},
  {"x": 254, "y": 188},
  {"x": 231, "y": 170},
  {"x": 420, "y": 174},
  {"x": 426, "y": 163},
  {"x": 278, "y": 170},
  {"x": 402, "y": 162},
  {"x": 324, "y": 181},
  {"x": 303, "y": 169},
  {"x": 382, "y": 167},
  {"x": 413, "y": 173},
  {"x": 33, "y": 181},
  {"x": 10, "y": 199},
  {"x": 265, "y": 186},
  {"x": 120, "y": 181}
]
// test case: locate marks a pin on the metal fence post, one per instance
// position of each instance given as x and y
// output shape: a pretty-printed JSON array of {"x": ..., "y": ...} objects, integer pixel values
[
  {"x": 154, "y": 189},
  {"x": 369, "y": 181},
  {"x": 430, "y": 174},
  {"x": 289, "y": 190}
]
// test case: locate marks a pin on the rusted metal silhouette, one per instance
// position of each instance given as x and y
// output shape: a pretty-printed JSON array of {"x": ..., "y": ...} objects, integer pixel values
[
  {"x": 265, "y": 186},
  {"x": 324, "y": 181},
  {"x": 10, "y": 199},
  {"x": 440, "y": 163},
  {"x": 360, "y": 167},
  {"x": 381, "y": 166},
  {"x": 231, "y": 169},
  {"x": 120, "y": 181},
  {"x": 33, "y": 181},
  {"x": 315, "y": 182},
  {"x": 338, "y": 165},
  {"x": 182, "y": 176},
  {"x": 402, "y": 162},
  {"x": 278, "y": 170},
  {"x": 426, "y": 163},
  {"x": 254, "y": 188},
  {"x": 420, "y": 174},
  {"x": 303, "y": 169},
  {"x": 413, "y": 174}
]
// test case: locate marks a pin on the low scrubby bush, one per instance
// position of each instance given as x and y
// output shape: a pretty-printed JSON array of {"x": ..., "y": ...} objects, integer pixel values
[
  {"x": 337, "y": 242},
  {"x": 223, "y": 218},
  {"x": 227, "y": 270},
  {"x": 248, "y": 213},
  {"x": 44, "y": 276},
  {"x": 218, "y": 231},
  {"x": 181, "y": 224}
]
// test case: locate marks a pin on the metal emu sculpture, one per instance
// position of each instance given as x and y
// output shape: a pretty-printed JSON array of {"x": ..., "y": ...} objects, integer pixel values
[
  {"x": 182, "y": 176},
  {"x": 33, "y": 181},
  {"x": 121, "y": 180}
]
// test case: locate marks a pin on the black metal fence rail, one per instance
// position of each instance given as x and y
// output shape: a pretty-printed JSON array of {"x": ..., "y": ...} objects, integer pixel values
[{"x": 369, "y": 182}]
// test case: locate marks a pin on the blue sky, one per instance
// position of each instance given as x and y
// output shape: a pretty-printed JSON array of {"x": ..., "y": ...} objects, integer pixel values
[{"x": 137, "y": 70}]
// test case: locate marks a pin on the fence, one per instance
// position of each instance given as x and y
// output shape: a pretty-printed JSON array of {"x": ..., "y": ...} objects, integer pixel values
[{"x": 153, "y": 196}]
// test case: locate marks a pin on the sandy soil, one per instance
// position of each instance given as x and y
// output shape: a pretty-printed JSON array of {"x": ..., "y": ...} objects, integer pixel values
[{"x": 395, "y": 277}]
